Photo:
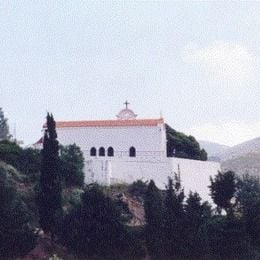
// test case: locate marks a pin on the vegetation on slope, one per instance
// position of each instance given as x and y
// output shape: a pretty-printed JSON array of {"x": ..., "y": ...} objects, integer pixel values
[
  {"x": 97, "y": 221},
  {"x": 16, "y": 231},
  {"x": 183, "y": 146}
]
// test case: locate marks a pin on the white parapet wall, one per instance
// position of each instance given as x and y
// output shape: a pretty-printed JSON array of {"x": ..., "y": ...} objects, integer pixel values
[{"x": 195, "y": 175}]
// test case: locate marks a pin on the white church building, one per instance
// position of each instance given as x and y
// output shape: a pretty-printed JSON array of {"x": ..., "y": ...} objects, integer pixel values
[{"x": 127, "y": 148}]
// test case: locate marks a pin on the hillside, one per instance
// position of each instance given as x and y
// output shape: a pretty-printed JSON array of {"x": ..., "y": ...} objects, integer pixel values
[
  {"x": 251, "y": 146},
  {"x": 247, "y": 163},
  {"x": 212, "y": 148}
]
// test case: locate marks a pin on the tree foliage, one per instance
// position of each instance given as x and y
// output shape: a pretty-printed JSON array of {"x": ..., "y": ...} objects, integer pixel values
[
  {"x": 174, "y": 217},
  {"x": 95, "y": 227},
  {"x": 72, "y": 164},
  {"x": 183, "y": 146},
  {"x": 226, "y": 238},
  {"x": 196, "y": 214},
  {"x": 153, "y": 207},
  {"x": 10, "y": 153},
  {"x": 248, "y": 201},
  {"x": 222, "y": 190},
  {"x": 4, "y": 128},
  {"x": 16, "y": 235},
  {"x": 26, "y": 160},
  {"x": 50, "y": 181},
  {"x": 30, "y": 164}
]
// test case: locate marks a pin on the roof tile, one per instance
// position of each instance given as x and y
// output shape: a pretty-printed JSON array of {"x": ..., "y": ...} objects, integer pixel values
[{"x": 108, "y": 123}]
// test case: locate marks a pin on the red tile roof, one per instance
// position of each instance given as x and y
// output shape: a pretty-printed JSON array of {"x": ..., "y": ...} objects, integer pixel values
[{"x": 108, "y": 123}]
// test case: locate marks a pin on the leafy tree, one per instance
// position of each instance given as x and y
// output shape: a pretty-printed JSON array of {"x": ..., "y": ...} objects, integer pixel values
[
  {"x": 174, "y": 218},
  {"x": 154, "y": 221},
  {"x": 196, "y": 214},
  {"x": 30, "y": 164},
  {"x": 25, "y": 160},
  {"x": 72, "y": 164},
  {"x": 95, "y": 227},
  {"x": 248, "y": 200},
  {"x": 222, "y": 189},
  {"x": 10, "y": 153},
  {"x": 4, "y": 128},
  {"x": 183, "y": 146},
  {"x": 16, "y": 235},
  {"x": 226, "y": 238},
  {"x": 50, "y": 181}
]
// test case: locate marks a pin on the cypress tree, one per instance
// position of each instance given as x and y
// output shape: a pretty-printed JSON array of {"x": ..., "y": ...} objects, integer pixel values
[
  {"x": 154, "y": 221},
  {"x": 50, "y": 181}
]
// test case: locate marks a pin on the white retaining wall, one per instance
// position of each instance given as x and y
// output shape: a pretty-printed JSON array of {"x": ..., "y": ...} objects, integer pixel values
[{"x": 194, "y": 174}]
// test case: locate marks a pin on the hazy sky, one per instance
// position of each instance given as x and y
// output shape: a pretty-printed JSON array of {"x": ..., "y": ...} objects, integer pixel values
[{"x": 197, "y": 62}]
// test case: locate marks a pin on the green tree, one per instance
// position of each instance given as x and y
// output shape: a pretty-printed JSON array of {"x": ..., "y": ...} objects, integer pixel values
[
  {"x": 183, "y": 146},
  {"x": 95, "y": 227},
  {"x": 50, "y": 199},
  {"x": 72, "y": 164},
  {"x": 196, "y": 214},
  {"x": 27, "y": 160},
  {"x": 16, "y": 234},
  {"x": 174, "y": 218},
  {"x": 248, "y": 203},
  {"x": 153, "y": 207},
  {"x": 10, "y": 153},
  {"x": 222, "y": 191},
  {"x": 30, "y": 164},
  {"x": 4, "y": 128},
  {"x": 226, "y": 238}
]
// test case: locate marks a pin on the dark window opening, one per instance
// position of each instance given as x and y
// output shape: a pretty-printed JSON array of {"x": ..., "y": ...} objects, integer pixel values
[
  {"x": 101, "y": 151},
  {"x": 93, "y": 151},
  {"x": 132, "y": 152},
  {"x": 110, "y": 151}
]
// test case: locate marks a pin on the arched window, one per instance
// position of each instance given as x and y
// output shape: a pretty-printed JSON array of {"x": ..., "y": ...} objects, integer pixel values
[
  {"x": 93, "y": 151},
  {"x": 101, "y": 151},
  {"x": 110, "y": 151},
  {"x": 132, "y": 152}
]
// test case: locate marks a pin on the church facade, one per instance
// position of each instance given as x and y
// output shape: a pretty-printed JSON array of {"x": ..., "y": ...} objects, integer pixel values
[{"x": 126, "y": 149}]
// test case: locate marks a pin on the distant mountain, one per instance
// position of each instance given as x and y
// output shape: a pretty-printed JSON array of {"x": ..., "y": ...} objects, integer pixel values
[
  {"x": 251, "y": 146},
  {"x": 213, "y": 149},
  {"x": 245, "y": 164}
]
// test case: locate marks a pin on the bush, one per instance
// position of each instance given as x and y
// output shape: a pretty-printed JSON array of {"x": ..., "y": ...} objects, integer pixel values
[
  {"x": 138, "y": 189},
  {"x": 10, "y": 153},
  {"x": 72, "y": 164},
  {"x": 95, "y": 228},
  {"x": 16, "y": 235}
]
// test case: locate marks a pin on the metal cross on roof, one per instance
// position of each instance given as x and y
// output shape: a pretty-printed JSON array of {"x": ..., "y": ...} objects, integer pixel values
[{"x": 126, "y": 104}]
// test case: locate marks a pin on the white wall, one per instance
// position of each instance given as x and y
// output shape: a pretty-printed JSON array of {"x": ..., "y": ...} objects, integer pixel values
[
  {"x": 143, "y": 138},
  {"x": 151, "y": 161},
  {"x": 194, "y": 174}
]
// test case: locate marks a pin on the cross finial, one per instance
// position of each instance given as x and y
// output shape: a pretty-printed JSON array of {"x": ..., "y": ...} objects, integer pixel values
[{"x": 126, "y": 104}]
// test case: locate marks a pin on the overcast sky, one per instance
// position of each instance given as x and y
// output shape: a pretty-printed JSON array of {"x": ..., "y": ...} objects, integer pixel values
[{"x": 197, "y": 62}]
